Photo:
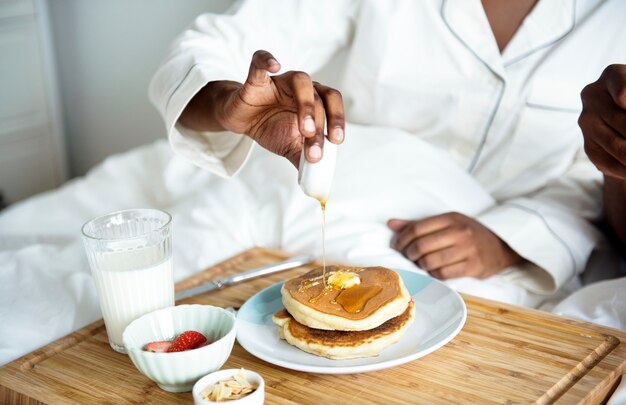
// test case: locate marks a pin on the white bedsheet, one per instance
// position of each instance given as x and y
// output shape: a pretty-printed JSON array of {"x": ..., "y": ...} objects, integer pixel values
[{"x": 46, "y": 290}]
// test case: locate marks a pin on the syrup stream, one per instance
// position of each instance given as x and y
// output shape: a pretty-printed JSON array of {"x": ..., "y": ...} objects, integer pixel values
[
  {"x": 323, "y": 205},
  {"x": 351, "y": 300}
]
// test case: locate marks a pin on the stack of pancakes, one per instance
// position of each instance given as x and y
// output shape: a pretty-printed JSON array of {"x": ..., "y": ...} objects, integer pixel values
[{"x": 344, "y": 323}]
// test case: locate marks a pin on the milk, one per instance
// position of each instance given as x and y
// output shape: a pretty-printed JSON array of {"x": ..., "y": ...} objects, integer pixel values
[{"x": 129, "y": 285}]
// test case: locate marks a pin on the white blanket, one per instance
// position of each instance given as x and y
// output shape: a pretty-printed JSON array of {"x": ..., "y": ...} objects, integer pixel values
[{"x": 46, "y": 289}]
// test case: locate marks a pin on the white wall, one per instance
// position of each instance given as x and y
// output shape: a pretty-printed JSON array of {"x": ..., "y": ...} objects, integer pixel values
[{"x": 106, "y": 53}]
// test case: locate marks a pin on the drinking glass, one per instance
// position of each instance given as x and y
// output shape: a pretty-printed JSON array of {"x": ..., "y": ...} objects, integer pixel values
[{"x": 130, "y": 255}]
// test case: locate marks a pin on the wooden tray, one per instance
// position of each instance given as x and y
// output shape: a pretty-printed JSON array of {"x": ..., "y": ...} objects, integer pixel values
[{"x": 504, "y": 354}]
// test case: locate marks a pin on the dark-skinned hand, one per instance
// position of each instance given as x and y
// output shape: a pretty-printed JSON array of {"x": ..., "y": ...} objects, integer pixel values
[
  {"x": 280, "y": 112},
  {"x": 452, "y": 245},
  {"x": 603, "y": 121}
]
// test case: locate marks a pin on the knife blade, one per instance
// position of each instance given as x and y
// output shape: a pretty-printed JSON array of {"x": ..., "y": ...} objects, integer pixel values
[{"x": 245, "y": 276}]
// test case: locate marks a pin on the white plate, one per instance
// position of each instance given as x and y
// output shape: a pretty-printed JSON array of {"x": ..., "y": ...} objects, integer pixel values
[{"x": 439, "y": 315}]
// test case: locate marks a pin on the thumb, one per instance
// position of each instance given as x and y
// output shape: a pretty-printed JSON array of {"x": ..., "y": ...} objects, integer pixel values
[
  {"x": 262, "y": 63},
  {"x": 397, "y": 225}
]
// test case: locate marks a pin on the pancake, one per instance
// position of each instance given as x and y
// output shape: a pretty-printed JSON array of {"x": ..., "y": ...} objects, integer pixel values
[
  {"x": 380, "y": 296},
  {"x": 339, "y": 345}
]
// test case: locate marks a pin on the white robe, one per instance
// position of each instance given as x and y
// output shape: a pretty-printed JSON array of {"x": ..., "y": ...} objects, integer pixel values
[{"x": 432, "y": 68}]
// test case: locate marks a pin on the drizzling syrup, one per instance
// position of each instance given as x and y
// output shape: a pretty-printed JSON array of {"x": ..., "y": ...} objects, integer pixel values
[
  {"x": 306, "y": 284},
  {"x": 353, "y": 298},
  {"x": 323, "y": 206}
]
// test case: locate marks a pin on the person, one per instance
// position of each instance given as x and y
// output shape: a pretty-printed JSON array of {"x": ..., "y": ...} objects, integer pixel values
[
  {"x": 493, "y": 84},
  {"x": 603, "y": 123}
]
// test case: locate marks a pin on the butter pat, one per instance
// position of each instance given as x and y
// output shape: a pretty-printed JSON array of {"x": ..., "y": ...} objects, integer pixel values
[{"x": 343, "y": 279}]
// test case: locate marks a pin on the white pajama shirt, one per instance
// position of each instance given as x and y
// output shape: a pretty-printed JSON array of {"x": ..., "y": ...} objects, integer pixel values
[{"x": 430, "y": 69}]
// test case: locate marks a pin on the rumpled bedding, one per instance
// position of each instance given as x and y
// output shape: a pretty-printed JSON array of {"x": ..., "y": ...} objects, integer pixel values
[{"x": 46, "y": 289}]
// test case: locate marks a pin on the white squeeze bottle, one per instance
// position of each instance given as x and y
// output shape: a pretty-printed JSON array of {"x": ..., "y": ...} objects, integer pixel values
[{"x": 315, "y": 179}]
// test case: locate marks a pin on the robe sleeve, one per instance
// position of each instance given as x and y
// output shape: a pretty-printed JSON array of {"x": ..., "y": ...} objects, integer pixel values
[
  {"x": 552, "y": 227},
  {"x": 301, "y": 35}
]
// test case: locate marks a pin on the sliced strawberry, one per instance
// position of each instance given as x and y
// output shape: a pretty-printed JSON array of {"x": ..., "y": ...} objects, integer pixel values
[
  {"x": 157, "y": 347},
  {"x": 187, "y": 341},
  {"x": 202, "y": 344}
]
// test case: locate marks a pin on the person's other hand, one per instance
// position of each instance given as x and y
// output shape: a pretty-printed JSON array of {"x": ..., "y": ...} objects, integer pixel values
[
  {"x": 603, "y": 121},
  {"x": 452, "y": 245},
  {"x": 280, "y": 112}
]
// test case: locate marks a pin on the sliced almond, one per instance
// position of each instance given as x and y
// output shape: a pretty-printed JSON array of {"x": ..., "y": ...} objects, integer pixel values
[{"x": 235, "y": 387}]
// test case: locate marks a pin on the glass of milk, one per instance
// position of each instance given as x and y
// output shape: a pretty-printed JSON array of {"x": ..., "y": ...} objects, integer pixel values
[{"x": 130, "y": 255}]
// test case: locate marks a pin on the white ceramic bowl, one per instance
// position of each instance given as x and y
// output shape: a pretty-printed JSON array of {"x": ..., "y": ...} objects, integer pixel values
[
  {"x": 256, "y": 398},
  {"x": 177, "y": 372}
]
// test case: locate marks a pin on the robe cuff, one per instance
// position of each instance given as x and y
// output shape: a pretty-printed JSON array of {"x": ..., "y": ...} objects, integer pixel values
[
  {"x": 550, "y": 262},
  {"x": 223, "y": 153}
]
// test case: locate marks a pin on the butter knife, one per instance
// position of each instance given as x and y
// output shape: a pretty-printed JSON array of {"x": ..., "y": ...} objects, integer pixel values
[{"x": 245, "y": 276}]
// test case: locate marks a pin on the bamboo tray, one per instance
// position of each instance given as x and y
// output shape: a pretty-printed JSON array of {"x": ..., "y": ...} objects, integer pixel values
[{"x": 504, "y": 354}]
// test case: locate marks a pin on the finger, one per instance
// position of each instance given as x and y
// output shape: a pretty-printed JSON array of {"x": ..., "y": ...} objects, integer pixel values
[
  {"x": 436, "y": 274},
  {"x": 442, "y": 258},
  {"x": 397, "y": 225},
  {"x": 452, "y": 271},
  {"x": 606, "y": 142},
  {"x": 314, "y": 147},
  {"x": 335, "y": 116},
  {"x": 616, "y": 83},
  {"x": 604, "y": 161},
  {"x": 304, "y": 95},
  {"x": 433, "y": 242},
  {"x": 421, "y": 228},
  {"x": 598, "y": 102},
  {"x": 262, "y": 63},
  {"x": 613, "y": 140},
  {"x": 615, "y": 117}
]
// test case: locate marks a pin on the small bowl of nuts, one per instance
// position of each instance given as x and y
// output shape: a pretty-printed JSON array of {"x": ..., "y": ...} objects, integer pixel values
[{"x": 233, "y": 386}]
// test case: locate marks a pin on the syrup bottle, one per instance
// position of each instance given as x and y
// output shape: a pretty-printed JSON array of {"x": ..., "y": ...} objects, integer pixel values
[{"x": 316, "y": 179}]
